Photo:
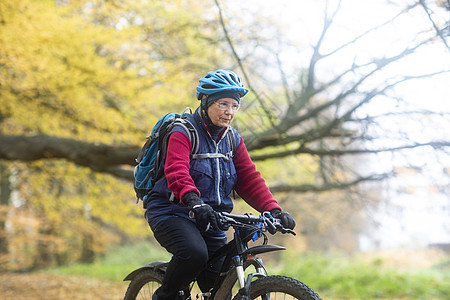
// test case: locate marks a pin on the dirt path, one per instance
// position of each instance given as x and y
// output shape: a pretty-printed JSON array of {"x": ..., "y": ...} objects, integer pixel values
[{"x": 52, "y": 287}]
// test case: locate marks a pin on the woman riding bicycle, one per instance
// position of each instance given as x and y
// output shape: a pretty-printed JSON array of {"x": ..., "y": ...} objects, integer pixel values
[{"x": 188, "y": 229}]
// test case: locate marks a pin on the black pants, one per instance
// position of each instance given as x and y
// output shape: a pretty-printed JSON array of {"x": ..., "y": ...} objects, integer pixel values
[{"x": 190, "y": 249}]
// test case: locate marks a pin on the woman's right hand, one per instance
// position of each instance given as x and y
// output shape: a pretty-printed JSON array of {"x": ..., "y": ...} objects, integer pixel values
[
  {"x": 204, "y": 217},
  {"x": 203, "y": 213}
]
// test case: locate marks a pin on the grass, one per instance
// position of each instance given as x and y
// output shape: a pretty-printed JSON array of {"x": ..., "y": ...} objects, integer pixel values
[
  {"x": 358, "y": 278},
  {"x": 117, "y": 263},
  {"x": 332, "y": 276}
]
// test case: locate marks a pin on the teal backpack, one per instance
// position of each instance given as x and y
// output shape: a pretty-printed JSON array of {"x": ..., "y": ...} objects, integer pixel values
[{"x": 146, "y": 172}]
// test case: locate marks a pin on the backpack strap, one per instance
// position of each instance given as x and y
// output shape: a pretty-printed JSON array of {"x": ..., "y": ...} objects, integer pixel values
[
  {"x": 191, "y": 131},
  {"x": 231, "y": 139},
  {"x": 188, "y": 128}
]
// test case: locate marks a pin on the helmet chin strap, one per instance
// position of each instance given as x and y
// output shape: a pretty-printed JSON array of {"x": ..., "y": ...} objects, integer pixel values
[{"x": 205, "y": 116}]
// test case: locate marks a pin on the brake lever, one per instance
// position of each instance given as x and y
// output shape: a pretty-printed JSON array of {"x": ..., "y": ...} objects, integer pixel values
[{"x": 287, "y": 230}]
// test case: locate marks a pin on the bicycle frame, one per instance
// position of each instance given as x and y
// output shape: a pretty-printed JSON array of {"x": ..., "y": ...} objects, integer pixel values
[
  {"x": 238, "y": 256},
  {"x": 235, "y": 264}
]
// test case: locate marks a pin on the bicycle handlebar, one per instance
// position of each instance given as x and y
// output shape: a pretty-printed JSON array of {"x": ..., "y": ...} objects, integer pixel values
[{"x": 272, "y": 224}]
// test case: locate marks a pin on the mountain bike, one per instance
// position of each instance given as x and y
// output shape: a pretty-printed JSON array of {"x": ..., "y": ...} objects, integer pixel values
[{"x": 240, "y": 259}]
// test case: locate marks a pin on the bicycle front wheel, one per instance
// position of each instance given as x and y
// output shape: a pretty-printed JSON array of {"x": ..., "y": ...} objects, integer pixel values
[
  {"x": 281, "y": 287},
  {"x": 144, "y": 285}
]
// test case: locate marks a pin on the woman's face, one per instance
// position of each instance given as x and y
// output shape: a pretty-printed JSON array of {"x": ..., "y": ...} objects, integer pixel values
[{"x": 221, "y": 112}]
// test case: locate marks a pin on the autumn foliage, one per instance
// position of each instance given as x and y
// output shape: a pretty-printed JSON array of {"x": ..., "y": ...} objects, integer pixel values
[{"x": 96, "y": 71}]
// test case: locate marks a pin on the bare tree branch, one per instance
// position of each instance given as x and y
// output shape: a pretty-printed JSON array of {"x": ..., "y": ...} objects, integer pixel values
[
  {"x": 304, "y": 188},
  {"x": 292, "y": 118},
  {"x": 99, "y": 157},
  {"x": 241, "y": 66},
  {"x": 438, "y": 31},
  {"x": 111, "y": 159},
  {"x": 368, "y": 31},
  {"x": 283, "y": 79},
  {"x": 341, "y": 152},
  {"x": 114, "y": 159}
]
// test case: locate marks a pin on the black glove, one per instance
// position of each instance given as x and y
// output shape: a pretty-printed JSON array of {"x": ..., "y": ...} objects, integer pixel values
[
  {"x": 203, "y": 213},
  {"x": 285, "y": 218}
]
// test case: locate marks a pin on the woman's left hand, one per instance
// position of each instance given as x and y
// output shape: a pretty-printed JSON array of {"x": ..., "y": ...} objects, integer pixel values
[{"x": 285, "y": 218}]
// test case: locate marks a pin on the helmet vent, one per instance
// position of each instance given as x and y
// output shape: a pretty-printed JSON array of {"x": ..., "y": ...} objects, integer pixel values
[{"x": 209, "y": 86}]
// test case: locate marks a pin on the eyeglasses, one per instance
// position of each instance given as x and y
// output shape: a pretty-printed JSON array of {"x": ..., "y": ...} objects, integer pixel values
[{"x": 226, "y": 106}]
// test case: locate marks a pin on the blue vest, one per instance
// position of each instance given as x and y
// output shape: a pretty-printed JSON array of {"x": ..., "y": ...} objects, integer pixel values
[{"x": 211, "y": 168}]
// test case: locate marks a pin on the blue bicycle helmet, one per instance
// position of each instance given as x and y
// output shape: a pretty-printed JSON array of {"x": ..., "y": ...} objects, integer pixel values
[{"x": 219, "y": 81}]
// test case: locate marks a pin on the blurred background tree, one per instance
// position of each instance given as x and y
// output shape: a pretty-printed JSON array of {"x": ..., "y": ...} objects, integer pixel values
[
  {"x": 92, "y": 71},
  {"x": 82, "y": 83}
]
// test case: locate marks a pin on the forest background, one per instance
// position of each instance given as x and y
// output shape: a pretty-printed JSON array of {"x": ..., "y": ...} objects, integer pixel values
[{"x": 346, "y": 107}]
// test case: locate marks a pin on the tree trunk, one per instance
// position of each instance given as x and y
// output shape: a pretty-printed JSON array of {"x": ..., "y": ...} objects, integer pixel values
[
  {"x": 5, "y": 194},
  {"x": 45, "y": 252},
  {"x": 87, "y": 253}
]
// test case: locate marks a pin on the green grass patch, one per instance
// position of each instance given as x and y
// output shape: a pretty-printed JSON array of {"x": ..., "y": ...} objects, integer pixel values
[
  {"x": 116, "y": 263},
  {"x": 357, "y": 278}
]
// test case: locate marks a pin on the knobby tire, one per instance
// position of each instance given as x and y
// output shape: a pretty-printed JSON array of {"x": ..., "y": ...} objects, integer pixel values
[
  {"x": 281, "y": 287},
  {"x": 144, "y": 285}
]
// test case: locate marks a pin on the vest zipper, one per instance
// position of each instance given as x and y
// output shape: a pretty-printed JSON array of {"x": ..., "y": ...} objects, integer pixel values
[
  {"x": 218, "y": 176},
  {"x": 219, "y": 198}
]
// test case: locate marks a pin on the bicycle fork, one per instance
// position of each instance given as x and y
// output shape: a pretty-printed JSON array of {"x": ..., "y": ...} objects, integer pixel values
[
  {"x": 239, "y": 263},
  {"x": 244, "y": 284}
]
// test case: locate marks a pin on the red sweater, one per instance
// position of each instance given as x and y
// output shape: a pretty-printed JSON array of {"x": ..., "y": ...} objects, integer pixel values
[{"x": 250, "y": 184}]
